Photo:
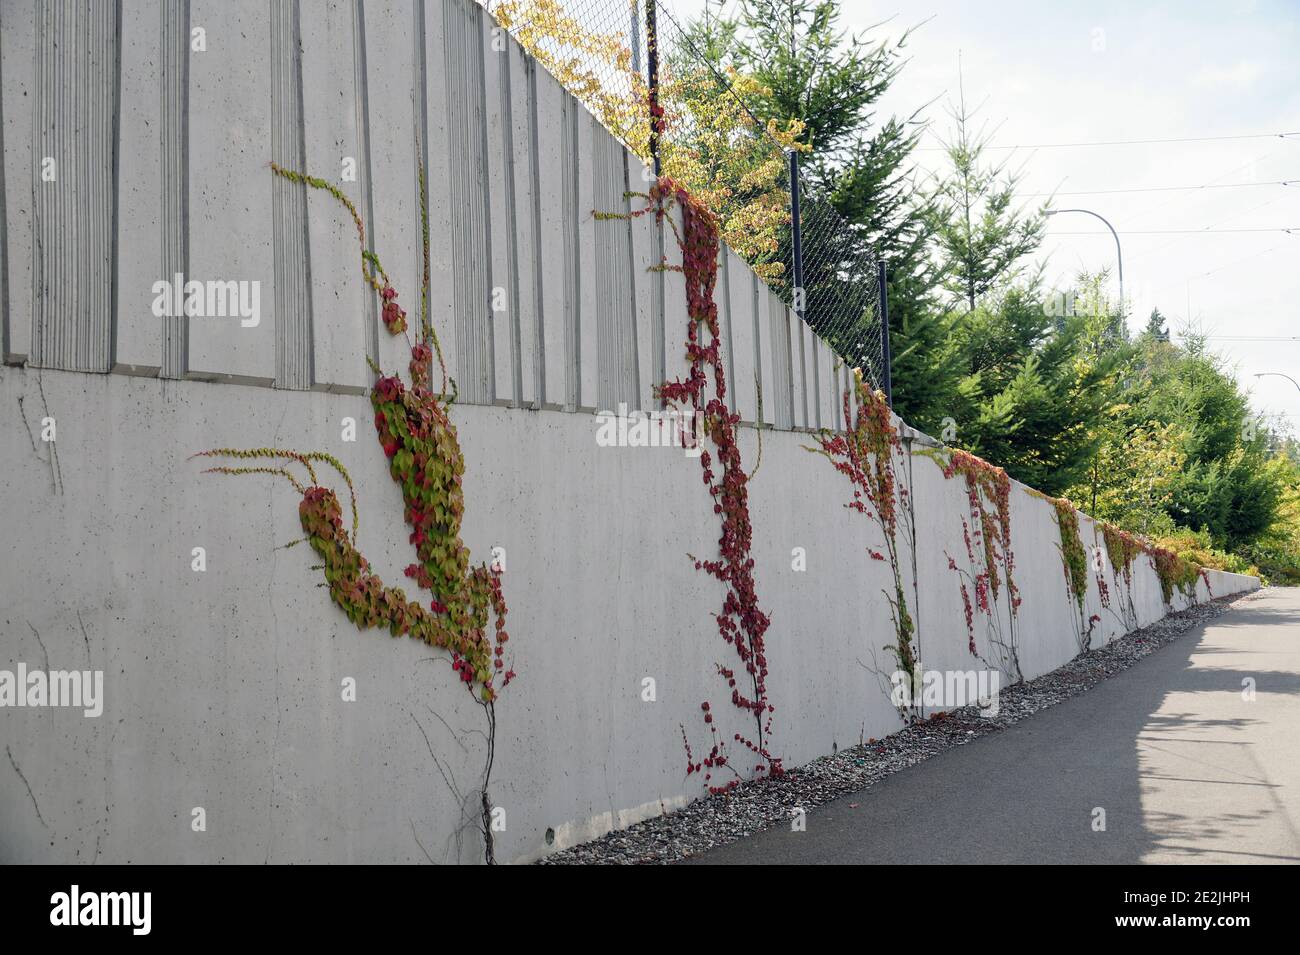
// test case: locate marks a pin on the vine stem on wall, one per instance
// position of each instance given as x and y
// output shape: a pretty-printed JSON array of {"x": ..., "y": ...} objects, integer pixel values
[
  {"x": 415, "y": 431},
  {"x": 741, "y": 623}
]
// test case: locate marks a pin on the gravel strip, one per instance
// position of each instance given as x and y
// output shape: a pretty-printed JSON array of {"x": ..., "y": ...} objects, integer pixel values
[{"x": 755, "y": 805}]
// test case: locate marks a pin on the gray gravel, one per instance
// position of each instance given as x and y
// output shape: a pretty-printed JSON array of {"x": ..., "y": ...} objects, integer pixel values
[{"x": 755, "y": 805}]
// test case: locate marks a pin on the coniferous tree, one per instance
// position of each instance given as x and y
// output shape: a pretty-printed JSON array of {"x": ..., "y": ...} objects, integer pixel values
[
  {"x": 860, "y": 202},
  {"x": 1155, "y": 327},
  {"x": 981, "y": 233}
]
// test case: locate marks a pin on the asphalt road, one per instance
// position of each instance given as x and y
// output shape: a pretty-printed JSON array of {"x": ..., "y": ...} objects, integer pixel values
[{"x": 1186, "y": 769}]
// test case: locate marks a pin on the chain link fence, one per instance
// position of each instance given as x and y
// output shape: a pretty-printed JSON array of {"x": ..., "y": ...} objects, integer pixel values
[{"x": 659, "y": 87}]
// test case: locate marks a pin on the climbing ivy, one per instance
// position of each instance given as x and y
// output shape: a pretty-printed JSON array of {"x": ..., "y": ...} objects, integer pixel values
[
  {"x": 1074, "y": 559},
  {"x": 990, "y": 559},
  {"x": 1122, "y": 549},
  {"x": 1176, "y": 572},
  {"x": 414, "y": 429},
  {"x": 866, "y": 454},
  {"x": 741, "y": 623},
  {"x": 1074, "y": 563}
]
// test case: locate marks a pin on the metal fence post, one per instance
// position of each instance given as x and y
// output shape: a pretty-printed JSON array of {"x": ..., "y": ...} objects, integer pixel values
[
  {"x": 652, "y": 61},
  {"x": 796, "y": 238},
  {"x": 886, "y": 373},
  {"x": 636, "y": 36}
]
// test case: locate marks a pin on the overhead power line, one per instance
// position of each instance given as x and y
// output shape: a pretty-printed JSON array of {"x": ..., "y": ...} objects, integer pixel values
[
  {"x": 1134, "y": 142},
  {"x": 1111, "y": 192},
  {"x": 1251, "y": 338},
  {"x": 1289, "y": 230}
]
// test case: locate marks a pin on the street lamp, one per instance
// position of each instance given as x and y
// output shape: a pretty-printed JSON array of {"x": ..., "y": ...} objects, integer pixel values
[
  {"x": 1119, "y": 255},
  {"x": 1278, "y": 374},
  {"x": 1261, "y": 374}
]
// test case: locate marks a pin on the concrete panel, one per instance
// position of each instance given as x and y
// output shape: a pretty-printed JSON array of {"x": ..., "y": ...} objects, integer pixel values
[
  {"x": 438, "y": 185},
  {"x": 768, "y": 387},
  {"x": 334, "y": 135},
  {"x": 823, "y": 393},
  {"x": 808, "y": 369},
  {"x": 525, "y": 179},
  {"x": 646, "y": 299},
  {"x": 292, "y": 314},
  {"x": 614, "y": 289},
  {"x": 726, "y": 350},
  {"x": 150, "y": 192},
  {"x": 676, "y": 317},
  {"x": 173, "y": 180},
  {"x": 504, "y": 287},
  {"x": 231, "y": 188},
  {"x": 782, "y": 390},
  {"x": 552, "y": 121},
  {"x": 798, "y": 395},
  {"x": 740, "y": 289},
  {"x": 471, "y": 237},
  {"x": 572, "y": 120},
  {"x": 75, "y": 103},
  {"x": 394, "y": 224},
  {"x": 21, "y": 172},
  {"x": 588, "y": 342},
  {"x": 850, "y": 389}
]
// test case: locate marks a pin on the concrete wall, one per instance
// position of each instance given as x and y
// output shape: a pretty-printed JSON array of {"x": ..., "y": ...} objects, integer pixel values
[{"x": 223, "y": 686}]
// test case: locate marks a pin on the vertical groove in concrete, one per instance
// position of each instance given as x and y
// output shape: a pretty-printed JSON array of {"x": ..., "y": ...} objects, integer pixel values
[
  {"x": 631, "y": 348},
  {"x": 512, "y": 229},
  {"x": 420, "y": 103},
  {"x": 115, "y": 136},
  {"x": 816, "y": 387},
  {"x": 782, "y": 371},
  {"x": 572, "y": 261},
  {"x": 535, "y": 171},
  {"x": 293, "y": 345},
  {"x": 797, "y": 326},
  {"x": 762, "y": 404},
  {"x": 366, "y": 205},
  {"x": 615, "y": 328},
  {"x": 723, "y": 290},
  {"x": 658, "y": 333},
  {"x": 487, "y": 344},
  {"x": 78, "y": 45},
  {"x": 4, "y": 227},
  {"x": 174, "y": 136},
  {"x": 466, "y": 132}
]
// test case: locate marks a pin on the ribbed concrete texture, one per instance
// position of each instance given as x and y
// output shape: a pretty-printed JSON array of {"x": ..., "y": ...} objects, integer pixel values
[{"x": 137, "y": 138}]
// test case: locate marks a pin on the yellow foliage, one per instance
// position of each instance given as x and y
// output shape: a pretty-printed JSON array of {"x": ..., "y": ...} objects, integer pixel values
[
  {"x": 709, "y": 142},
  {"x": 1135, "y": 474},
  {"x": 1196, "y": 547}
]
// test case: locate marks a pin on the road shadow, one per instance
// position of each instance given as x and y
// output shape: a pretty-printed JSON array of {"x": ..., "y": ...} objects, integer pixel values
[{"x": 1157, "y": 763}]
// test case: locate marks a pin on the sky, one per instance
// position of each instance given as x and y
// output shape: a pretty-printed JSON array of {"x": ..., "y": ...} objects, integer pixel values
[{"x": 1049, "y": 73}]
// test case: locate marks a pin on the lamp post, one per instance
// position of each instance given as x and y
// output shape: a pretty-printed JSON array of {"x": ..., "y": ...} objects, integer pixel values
[
  {"x": 1277, "y": 374},
  {"x": 1261, "y": 374},
  {"x": 1119, "y": 259},
  {"x": 1119, "y": 254}
]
